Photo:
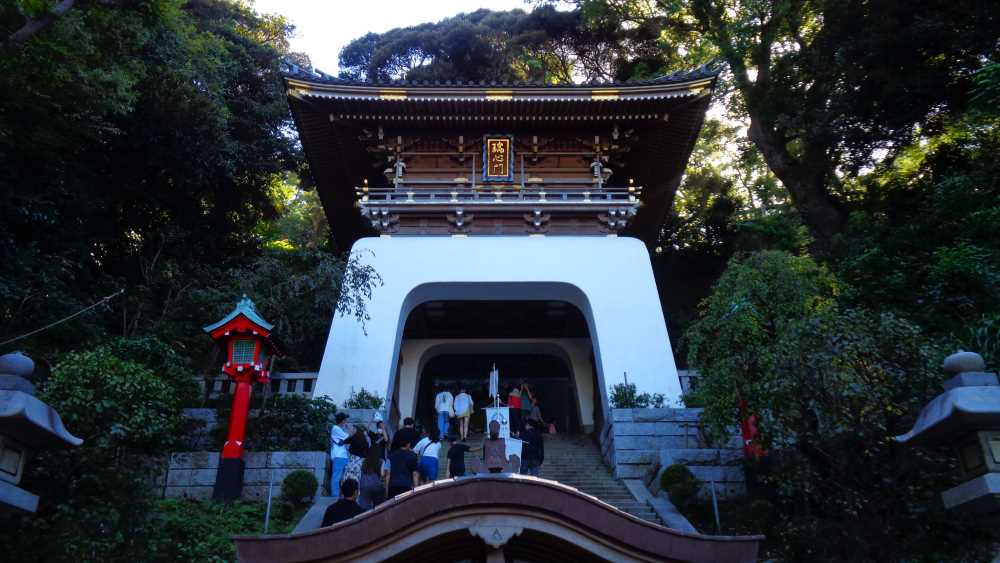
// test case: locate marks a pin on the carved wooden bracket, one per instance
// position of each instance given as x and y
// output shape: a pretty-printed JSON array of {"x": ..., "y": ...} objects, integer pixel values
[
  {"x": 537, "y": 221},
  {"x": 460, "y": 222},
  {"x": 382, "y": 219},
  {"x": 615, "y": 219}
]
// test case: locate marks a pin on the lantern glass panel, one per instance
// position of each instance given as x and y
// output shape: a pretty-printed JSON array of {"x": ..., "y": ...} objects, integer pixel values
[
  {"x": 971, "y": 456},
  {"x": 243, "y": 351},
  {"x": 10, "y": 459},
  {"x": 995, "y": 448}
]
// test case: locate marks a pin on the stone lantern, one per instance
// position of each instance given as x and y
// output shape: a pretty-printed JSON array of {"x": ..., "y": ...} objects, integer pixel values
[
  {"x": 26, "y": 425},
  {"x": 250, "y": 348},
  {"x": 966, "y": 417}
]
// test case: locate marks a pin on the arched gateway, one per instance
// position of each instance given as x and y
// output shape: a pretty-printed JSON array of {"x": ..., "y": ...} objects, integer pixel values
[
  {"x": 494, "y": 519},
  {"x": 537, "y": 196}
]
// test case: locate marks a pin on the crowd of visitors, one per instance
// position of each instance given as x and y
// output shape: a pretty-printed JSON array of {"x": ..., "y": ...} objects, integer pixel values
[{"x": 370, "y": 468}]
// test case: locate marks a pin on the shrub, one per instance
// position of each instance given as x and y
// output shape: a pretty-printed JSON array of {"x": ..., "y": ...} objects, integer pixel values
[
  {"x": 96, "y": 498},
  {"x": 680, "y": 484},
  {"x": 674, "y": 474},
  {"x": 290, "y": 422},
  {"x": 299, "y": 484},
  {"x": 363, "y": 399},
  {"x": 161, "y": 359},
  {"x": 626, "y": 396},
  {"x": 192, "y": 530}
]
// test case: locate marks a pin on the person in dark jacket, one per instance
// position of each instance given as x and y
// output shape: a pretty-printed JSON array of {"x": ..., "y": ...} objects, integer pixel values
[
  {"x": 345, "y": 508},
  {"x": 533, "y": 448},
  {"x": 405, "y": 435}
]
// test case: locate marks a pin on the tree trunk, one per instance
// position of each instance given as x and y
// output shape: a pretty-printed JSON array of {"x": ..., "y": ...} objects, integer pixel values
[
  {"x": 33, "y": 26},
  {"x": 822, "y": 214}
]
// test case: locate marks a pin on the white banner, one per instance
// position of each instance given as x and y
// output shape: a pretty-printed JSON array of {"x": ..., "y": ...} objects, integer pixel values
[
  {"x": 494, "y": 381},
  {"x": 512, "y": 446}
]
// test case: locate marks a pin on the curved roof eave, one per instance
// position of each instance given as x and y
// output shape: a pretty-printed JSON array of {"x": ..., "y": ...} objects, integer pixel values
[{"x": 304, "y": 82}]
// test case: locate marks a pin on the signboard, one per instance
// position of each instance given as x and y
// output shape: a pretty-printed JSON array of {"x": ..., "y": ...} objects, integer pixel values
[
  {"x": 498, "y": 158},
  {"x": 501, "y": 415}
]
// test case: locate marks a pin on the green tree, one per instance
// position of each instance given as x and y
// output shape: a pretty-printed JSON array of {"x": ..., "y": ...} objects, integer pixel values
[
  {"x": 169, "y": 172},
  {"x": 756, "y": 299},
  {"x": 826, "y": 85},
  {"x": 482, "y": 45},
  {"x": 831, "y": 386}
]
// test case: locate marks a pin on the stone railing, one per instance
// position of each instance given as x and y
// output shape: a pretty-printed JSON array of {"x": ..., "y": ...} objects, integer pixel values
[
  {"x": 282, "y": 383},
  {"x": 192, "y": 474},
  {"x": 640, "y": 443}
]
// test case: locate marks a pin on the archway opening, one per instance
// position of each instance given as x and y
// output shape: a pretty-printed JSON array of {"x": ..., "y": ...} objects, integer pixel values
[{"x": 544, "y": 343}]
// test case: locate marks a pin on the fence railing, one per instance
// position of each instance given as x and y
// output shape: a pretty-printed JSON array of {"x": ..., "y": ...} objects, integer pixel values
[{"x": 282, "y": 383}]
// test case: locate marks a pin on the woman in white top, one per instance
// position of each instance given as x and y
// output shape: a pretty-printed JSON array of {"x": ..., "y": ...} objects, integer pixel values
[
  {"x": 463, "y": 410},
  {"x": 445, "y": 409},
  {"x": 427, "y": 450}
]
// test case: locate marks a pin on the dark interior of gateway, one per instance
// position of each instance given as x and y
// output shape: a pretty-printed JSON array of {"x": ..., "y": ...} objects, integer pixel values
[
  {"x": 496, "y": 319},
  {"x": 550, "y": 376}
]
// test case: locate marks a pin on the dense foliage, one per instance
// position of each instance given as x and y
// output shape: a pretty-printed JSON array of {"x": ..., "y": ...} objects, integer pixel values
[
  {"x": 824, "y": 85},
  {"x": 96, "y": 498},
  {"x": 190, "y": 530},
  {"x": 145, "y": 146},
  {"x": 290, "y": 422},
  {"x": 831, "y": 385}
]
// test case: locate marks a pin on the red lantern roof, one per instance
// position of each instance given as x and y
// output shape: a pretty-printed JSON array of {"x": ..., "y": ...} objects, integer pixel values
[{"x": 243, "y": 319}]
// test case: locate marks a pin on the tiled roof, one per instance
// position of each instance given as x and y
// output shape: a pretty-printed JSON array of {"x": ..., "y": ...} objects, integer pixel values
[
  {"x": 294, "y": 71},
  {"x": 246, "y": 308}
]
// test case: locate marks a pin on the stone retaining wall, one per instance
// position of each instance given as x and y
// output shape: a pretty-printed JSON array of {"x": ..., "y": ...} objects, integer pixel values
[
  {"x": 640, "y": 443},
  {"x": 192, "y": 474}
]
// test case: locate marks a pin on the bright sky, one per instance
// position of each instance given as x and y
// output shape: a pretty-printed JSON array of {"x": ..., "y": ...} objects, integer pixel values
[{"x": 324, "y": 27}]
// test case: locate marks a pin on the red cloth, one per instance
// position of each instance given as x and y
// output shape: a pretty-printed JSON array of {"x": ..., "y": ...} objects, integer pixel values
[{"x": 514, "y": 401}]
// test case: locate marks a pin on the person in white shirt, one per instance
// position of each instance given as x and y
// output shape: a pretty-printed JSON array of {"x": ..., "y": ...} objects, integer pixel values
[
  {"x": 339, "y": 455},
  {"x": 427, "y": 450},
  {"x": 463, "y": 410},
  {"x": 444, "y": 406}
]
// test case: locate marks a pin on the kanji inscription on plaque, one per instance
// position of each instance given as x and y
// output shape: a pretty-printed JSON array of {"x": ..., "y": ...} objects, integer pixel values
[{"x": 497, "y": 159}]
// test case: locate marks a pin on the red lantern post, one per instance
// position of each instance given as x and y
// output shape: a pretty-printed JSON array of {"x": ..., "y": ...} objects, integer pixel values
[{"x": 250, "y": 348}]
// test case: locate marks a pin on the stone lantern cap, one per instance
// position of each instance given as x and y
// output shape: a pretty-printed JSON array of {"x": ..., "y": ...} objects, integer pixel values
[
  {"x": 971, "y": 402},
  {"x": 23, "y": 417}
]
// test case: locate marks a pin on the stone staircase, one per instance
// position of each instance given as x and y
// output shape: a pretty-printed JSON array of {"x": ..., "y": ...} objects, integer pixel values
[{"x": 575, "y": 460}]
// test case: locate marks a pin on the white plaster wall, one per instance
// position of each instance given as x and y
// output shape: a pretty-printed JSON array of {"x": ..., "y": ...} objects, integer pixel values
[
  {"x": 608, "y": 278},
  {"x": 575, "y": 352}
]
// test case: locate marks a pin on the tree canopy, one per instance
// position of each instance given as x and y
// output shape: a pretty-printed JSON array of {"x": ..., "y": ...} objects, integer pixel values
[{"x": 148, "y": 146}]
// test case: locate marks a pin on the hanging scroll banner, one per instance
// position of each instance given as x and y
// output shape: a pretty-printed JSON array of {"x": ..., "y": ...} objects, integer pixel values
[{"x": 498, "y": 158}]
